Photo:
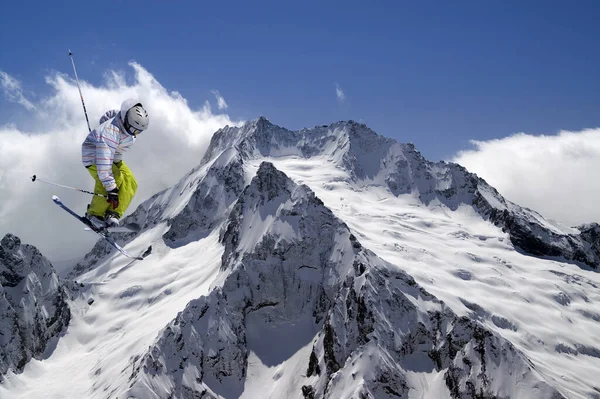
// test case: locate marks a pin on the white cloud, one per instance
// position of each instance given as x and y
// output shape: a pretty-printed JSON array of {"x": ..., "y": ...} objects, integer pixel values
[
  {"x": 220, "y": 100},
  {"x": 339, "y": 93},
  {"x": 13, "y": 91},
  {"x": 174, "y": 144},
  {"x": 557, "y": 176}
]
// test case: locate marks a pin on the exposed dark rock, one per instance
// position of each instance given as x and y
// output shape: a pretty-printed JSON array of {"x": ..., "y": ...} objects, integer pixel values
[{"x": 33, "y": 304}]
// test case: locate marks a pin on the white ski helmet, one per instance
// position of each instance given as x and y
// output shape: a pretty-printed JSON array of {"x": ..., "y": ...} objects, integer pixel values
[{"x": 134, "y": 116}]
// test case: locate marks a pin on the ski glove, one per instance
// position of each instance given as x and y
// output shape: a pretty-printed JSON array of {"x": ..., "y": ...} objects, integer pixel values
[{"x": 113, "y": 198}]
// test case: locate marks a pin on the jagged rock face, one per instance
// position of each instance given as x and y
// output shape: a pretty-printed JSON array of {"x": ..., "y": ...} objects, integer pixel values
[
  {"x": 33, "y": 306},
  {"x": 292, "y": 266},
  {"x": 530, "y": 232},
  {"x": 384, "y": 319},
  {"x": 591, "y": 234},
  {"x": 205, "y": 210}
]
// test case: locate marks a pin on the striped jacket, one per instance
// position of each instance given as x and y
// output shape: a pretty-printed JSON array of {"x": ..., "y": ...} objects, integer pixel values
[{"x": 105, "y": 145}]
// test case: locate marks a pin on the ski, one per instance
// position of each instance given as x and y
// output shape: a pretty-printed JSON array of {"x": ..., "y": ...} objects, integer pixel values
[
  {"x": 101, "y": 233},
  {"x": 127, "y": 228}
]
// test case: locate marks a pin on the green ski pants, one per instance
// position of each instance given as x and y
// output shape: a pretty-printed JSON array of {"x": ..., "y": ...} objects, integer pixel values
[{"x": 126, "y": 184}]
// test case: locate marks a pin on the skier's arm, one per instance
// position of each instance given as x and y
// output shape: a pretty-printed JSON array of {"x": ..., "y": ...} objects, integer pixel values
[
  {"x": 108, "y": 115},
  {"x": 106, "y": 146}
]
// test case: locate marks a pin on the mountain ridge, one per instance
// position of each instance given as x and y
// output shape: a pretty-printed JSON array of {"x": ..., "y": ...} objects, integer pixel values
[{"x": 403, "y": 169}]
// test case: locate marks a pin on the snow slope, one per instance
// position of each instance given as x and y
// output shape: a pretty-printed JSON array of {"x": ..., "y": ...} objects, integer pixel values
[
  {"x": 546, "y": 308},
  {"x": 346, "y": 266}
]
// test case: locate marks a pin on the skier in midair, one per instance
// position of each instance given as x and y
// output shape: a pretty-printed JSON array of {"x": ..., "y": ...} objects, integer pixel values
[{"x": 102, "y": 155}]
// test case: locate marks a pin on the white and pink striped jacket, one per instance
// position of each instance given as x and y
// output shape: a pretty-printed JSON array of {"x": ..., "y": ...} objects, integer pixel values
[{"x": 105, "y": 145}]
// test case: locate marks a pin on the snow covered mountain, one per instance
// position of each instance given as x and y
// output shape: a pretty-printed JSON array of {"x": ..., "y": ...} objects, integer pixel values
[
  {"x": 302, "y": 294},
  {"x": 33, "y": 307},
  {"x": 330, "y": 262},
  {"x": 370, "y": 159}
]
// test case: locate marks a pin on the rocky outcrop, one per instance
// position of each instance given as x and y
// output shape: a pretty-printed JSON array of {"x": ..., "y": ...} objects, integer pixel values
[{"x": 33, "y": 307}]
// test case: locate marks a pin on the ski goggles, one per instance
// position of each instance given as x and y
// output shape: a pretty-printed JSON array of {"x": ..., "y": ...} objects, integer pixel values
[{"x": 131, "y": 129}]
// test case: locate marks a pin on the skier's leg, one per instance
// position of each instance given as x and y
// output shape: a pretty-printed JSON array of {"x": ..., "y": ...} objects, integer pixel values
[
  {"x": 98, "y": 206},
  {"x": 127, "y": 186}
]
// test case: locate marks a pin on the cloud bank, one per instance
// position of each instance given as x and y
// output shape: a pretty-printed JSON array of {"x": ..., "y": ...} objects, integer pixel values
[
  {"x": 173, "y": 144},
  {"x": 558, "y": 176}
]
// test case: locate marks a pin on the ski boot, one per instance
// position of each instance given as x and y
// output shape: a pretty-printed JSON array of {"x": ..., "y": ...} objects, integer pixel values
[
  {"x": 111, "y": 219},
  {"x": 96, "y": 221}
]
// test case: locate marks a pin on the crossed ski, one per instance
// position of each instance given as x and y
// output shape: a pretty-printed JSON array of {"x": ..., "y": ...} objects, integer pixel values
[{"x": 101, "y": 233}]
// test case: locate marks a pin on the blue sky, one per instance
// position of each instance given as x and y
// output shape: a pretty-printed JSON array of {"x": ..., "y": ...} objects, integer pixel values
[{"x": 434, "y": 73}]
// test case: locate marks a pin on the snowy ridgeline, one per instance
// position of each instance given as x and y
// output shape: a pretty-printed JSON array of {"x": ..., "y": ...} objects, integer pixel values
[
  {"x": 298, "y": 307},
  {"x": 33, "y": 307}
]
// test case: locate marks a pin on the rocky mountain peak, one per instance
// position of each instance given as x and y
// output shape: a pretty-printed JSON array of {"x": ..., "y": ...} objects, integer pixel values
[
  {"x": 10, "y": 242},
  {"x": 272, "y": 205},
  {"x": 271, "y": 182}
]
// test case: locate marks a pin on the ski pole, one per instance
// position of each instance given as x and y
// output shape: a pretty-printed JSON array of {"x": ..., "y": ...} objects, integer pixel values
[
  {"x": 35, "y": 178},
  {"x": 81, "y": 95}
]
